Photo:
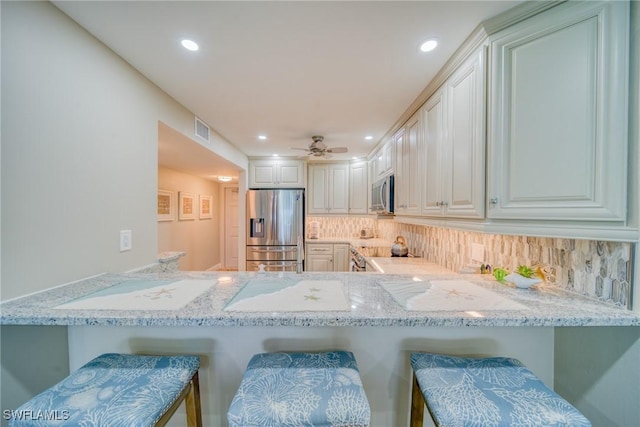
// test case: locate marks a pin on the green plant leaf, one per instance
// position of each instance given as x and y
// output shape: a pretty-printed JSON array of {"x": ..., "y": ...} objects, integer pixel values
[
  {"x": 525, "y": 271},
  {"x": 500, "y": 274}
]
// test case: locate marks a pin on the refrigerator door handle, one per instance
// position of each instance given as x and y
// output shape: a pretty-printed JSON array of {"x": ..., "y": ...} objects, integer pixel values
[{"x": 274, "y": 217}]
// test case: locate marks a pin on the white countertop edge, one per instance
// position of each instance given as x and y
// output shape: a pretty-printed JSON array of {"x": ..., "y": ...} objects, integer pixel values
[{"x": 373, "y": 306}]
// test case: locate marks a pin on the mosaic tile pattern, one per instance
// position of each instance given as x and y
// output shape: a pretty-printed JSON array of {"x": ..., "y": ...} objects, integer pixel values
[
  {"x": 595, "y": 269},
  {"x": 341, "y": 226}
]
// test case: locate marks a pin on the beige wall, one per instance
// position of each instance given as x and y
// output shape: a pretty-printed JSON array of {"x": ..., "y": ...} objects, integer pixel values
[
  {"x": 79, "y": 164},
  {"x": 79, "y": 152},
  {"x": 198, "y": 238}
]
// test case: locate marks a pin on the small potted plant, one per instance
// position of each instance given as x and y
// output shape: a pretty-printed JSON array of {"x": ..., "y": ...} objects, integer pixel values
[{"x": 524, "y": 277}]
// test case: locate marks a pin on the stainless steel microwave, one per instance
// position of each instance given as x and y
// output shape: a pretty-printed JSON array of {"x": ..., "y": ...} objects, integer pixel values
[{"x": 382, "y": 195}]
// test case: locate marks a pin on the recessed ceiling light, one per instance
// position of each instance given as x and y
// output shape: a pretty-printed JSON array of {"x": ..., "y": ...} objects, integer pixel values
[
  {"x": 429, "y": 45},
  {"x": 368, "y": 137},
  {"x": 275, "y": 155},
  {"x": 262, "y": 137},
  {"x": 224, "y": 178},
  {"x": 190, "y": 45}
]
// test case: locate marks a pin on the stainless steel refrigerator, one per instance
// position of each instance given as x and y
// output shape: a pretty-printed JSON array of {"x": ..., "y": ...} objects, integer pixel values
[{"x": 275, "y": 229}]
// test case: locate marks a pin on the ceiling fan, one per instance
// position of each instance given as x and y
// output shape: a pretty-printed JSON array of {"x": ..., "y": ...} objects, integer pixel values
[{"x": 318, "y": 148}]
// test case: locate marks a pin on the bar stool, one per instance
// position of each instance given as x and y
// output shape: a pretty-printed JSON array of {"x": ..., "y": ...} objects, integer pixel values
[
  {"x": 494, "y": 391},
  {"x": 119, "y": 390},
  {"x": 294, "y": 389}
]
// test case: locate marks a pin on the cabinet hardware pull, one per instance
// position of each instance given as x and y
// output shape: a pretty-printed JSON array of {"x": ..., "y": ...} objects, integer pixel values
[{"x": 493, "y": 200}]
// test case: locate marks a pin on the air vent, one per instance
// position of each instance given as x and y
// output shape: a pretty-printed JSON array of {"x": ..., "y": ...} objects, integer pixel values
[{"x": 202, "y": 130}]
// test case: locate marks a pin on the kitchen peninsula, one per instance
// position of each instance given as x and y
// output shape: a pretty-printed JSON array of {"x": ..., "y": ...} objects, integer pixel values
[{"x": 197, "y": 313}]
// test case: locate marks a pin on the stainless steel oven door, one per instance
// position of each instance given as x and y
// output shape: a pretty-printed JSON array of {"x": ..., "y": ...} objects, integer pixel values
[{"x": 358, "y": 268}]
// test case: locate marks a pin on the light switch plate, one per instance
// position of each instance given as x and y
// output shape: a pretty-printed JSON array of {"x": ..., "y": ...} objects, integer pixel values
[{"x": 125, "y": 240}]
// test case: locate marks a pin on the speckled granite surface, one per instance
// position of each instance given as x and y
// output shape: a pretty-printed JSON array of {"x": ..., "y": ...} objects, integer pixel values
[{"x": 371, "y": 305}]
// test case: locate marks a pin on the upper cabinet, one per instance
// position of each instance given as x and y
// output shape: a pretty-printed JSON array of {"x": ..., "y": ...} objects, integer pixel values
[
  {"x": 328, "y": 188},
  {"x": 381, "y": 164},
  {"x": 558, "y": 115},
  {"x": 408, "y": 171},
  {"x": 280, "y": 173},
  {"x": 453, "y": 147},
  {"x": 358, "y": 188}
]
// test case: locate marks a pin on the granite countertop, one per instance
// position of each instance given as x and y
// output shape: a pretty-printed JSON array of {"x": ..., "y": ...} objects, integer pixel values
[
  {"x": 368, "y": 303},
  {"x": 405, "y": 265}
]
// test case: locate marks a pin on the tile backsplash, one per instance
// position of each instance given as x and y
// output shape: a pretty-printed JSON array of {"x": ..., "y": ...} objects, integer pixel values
[{"x": 598, "y": 269}]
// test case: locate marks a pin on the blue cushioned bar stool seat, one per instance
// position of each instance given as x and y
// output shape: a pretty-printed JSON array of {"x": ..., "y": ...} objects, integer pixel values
[
  {"x": 118, "y": 390},
  {"x": 300, "y": 389},
  {"x": 485, "y": 392}
]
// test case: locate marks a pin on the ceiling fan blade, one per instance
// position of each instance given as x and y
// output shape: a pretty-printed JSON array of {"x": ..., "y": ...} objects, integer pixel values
[
  {"x": 337, "y": 150},
  {"x": 296, "y": 148}
]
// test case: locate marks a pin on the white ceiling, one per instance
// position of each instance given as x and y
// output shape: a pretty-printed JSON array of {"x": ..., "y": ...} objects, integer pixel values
[{"x": 290, "y": 70}]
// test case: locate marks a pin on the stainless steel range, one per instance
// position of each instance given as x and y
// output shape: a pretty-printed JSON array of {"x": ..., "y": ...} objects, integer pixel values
[
  {"x": 358, "y": 263},
  {"x": 359, "y": 255}
]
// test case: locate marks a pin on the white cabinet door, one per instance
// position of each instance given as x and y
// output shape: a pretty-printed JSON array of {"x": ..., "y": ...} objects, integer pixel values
[
  {"x": 339, "y": 189},
  {"x": 291, "y": 173},
  {"x": 358, "y": 188},
  {"x": 399, "y": 172},
  {"x": 454, "y": 144},
  {"x": 411, "y": 180},
  {"x": 328, "y": 189},
  {"x": 558, "y": 130},
  {"x": 317, "y": 200},
  {"x": 433, "y": 151},
  {"x": 341, "y": 257},
  {"x": 383, "y": 160},
  {"x": 276, "y": 174},
  {"x": 465, "y": 183},
  {"x": 319, "y": 263},
  {"x": 262, "y": 174}
]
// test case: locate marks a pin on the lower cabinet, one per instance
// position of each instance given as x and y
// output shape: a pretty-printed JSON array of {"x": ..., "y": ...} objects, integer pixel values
[{"x": 327, "y": 257}]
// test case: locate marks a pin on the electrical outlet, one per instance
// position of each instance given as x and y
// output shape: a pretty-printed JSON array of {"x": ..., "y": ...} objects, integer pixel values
[
  {"x": 477, "y": 253},
  {"x": 125, "y": 240}
]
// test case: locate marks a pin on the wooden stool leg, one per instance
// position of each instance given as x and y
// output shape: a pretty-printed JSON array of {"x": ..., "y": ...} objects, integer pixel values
[
  {"x": 192, "y": 403},
  {"x": 417, "y": 404}
]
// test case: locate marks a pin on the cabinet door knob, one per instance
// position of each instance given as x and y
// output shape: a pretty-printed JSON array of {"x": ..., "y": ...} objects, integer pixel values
[{"x": 493, "y": 200}]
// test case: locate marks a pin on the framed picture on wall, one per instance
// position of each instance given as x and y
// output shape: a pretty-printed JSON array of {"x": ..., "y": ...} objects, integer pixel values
[
  {"x": 206, "y": 207},
  {"x": 165, "y": 205},
  {"x": 187, "y": 206}
]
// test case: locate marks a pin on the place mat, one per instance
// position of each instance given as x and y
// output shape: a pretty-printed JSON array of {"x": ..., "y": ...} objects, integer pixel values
[
  {"x": 142, "y": 295},
  {"x": 447, "y": 295},
  {"x": 259, "y": 295}
]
